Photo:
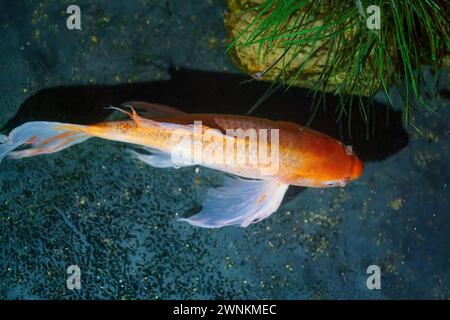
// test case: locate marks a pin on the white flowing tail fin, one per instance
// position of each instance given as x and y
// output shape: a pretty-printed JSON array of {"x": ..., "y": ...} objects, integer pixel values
[{"x": 41, "y": 137}]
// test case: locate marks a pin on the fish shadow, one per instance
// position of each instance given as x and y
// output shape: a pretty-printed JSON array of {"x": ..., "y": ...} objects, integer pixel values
[{"x": 198, "y": 91}]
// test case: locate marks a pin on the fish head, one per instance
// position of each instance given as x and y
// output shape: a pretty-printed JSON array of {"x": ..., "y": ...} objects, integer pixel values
[
  {"x": 326, "y": 162},
  {"x": 344, "y": 167}
]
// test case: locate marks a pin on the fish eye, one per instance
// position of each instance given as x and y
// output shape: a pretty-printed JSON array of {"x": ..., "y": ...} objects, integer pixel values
[
  {"x": 330, "y": 183},
  {"x": 349, "y": 150}
]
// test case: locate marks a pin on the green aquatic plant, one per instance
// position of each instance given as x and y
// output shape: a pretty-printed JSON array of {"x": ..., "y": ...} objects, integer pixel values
[{"x": 355, "y": 59}]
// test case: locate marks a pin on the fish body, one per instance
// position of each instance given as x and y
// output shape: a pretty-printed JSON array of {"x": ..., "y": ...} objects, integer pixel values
[
  {"x": 307, "y": 158},
  {"x": 304, "y": 157}
]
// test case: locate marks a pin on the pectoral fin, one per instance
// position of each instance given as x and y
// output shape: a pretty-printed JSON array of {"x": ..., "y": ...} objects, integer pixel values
[{"x": 239, "y": 202}]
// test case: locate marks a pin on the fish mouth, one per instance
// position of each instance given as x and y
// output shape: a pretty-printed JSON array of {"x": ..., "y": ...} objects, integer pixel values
[
  {"x": 357, "y": 168},
  {"x": 344, "y": 182}
]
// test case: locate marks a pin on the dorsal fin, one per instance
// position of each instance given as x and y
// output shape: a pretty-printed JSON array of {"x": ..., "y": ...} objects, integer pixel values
[{"x": 153, "y": 110}]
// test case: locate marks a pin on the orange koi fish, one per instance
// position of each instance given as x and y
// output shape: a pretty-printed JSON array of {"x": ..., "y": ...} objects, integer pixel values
[{"x": 254, "y": 189}]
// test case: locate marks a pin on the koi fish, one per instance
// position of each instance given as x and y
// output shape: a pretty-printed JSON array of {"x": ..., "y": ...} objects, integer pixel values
[{"x": 249, "y": 194}]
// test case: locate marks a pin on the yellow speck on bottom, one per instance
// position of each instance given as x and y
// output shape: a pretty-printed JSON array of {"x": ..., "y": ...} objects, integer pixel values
[
  {"x": 396, "y": 204},
  {"x": 94, "y": 39},
  {"x": 212, "y": 42}
]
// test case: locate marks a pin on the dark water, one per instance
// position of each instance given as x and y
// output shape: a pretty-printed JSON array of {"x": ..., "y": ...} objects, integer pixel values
[{"x": 95, "y": 207}]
